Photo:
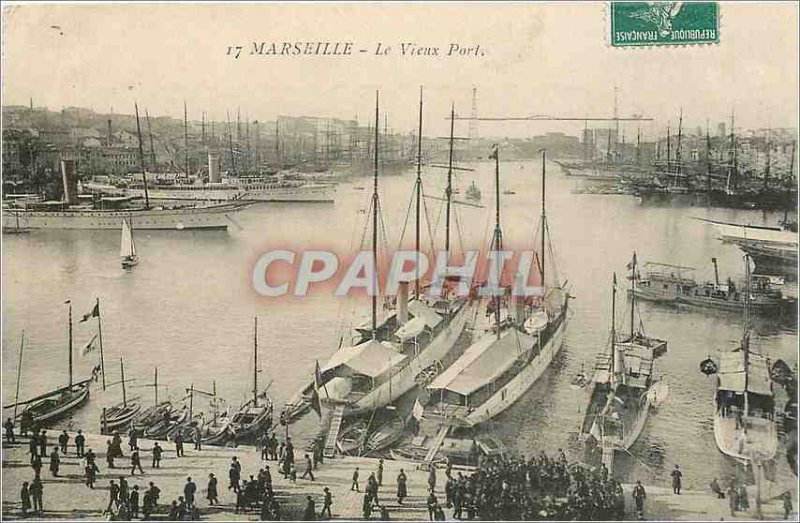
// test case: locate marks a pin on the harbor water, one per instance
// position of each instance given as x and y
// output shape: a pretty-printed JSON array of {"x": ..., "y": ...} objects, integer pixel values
[{"x": 188, "y": 307}]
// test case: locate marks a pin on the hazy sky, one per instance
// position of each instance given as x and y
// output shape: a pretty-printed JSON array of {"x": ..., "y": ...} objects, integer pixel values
[{"x": 539, "y": 59}]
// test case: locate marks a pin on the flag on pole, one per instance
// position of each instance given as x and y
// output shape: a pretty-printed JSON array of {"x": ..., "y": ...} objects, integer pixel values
[
  {"x": 493, "y": 156},
  {"x": 95, "y": 312},
  {"x": 315, "y": 402},
  {"x": 89, "y": 347},
  {"x": 417, "y": 410}
]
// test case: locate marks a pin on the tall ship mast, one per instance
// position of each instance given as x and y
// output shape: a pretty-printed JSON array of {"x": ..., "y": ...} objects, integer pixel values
[
  {"x": 624, "y": 387},
  {"x": 517, "y": 345},
  {"x": 396, "y": 347}
]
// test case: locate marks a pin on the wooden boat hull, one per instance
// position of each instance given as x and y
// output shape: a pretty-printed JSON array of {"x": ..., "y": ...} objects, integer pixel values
[
  {"x": 160, "y": 429},
  {"x": 386, "y": 435},
  {"x": 219, "y": 434},
  {"x": 119, "y": 416},
  {"x": 49, "y": 410},
  {"x": 150, "y": 416},
  {"x": 127, "y": 263},
  {"x": 251, "y": 421}
]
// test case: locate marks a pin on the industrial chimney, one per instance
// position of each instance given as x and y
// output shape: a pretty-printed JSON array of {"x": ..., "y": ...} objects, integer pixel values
[
  {"x": 69, "y": 178},
  {"x": 213, "y": 168},
  {"x": 109, "y": 131}
]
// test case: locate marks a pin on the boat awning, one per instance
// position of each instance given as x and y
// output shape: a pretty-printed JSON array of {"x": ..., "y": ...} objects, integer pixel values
[
  {"x": 482, "y": 362},
  {"x": 370, "y": 358},
  {"x": 732, "y": 375},
  {"x": 411, "y": 329},
  {"x": 420, "y": 310}
]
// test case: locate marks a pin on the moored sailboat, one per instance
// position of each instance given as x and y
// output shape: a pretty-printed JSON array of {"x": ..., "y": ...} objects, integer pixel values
[
  {"x": 120, "y": 415},
  {"x": 46, "y": 408},
  {"x": 744, "y": 415},
  {"x": 387, "y": 356},
  {"x": 517, "y": 347},
  {"x": 624, "y": 387}
]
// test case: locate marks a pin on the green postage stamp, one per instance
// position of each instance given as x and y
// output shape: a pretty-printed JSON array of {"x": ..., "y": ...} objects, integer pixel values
[{"x": 664, "y": 23}]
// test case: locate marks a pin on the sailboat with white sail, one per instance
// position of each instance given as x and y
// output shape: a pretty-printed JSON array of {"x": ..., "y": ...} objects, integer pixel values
[
  {"x": 517, "y": 346},
  {"x": 127, "y": 247},
  {"x": 387, "y": 356}
]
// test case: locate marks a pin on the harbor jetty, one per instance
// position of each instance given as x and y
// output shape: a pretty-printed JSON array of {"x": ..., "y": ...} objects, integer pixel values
[{"x": 68, "y": 497}]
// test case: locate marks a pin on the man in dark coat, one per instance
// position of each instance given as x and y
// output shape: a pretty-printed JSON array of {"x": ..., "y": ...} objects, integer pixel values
[
  {"x": 133, "y": 501},
  {"x": 63, "y": 441},
  {"x": 402, "y": 488},
  {"x": 234, "y": 475},
  {"x": 157, "y": 452},
  {"x": 327, "y": 503},
  {"x": 310, "y": 513},
  {"x": 136, "y": 461},
  {"x": 42, "y": 443},
  {"x": 36, "y": 465},
  {"x": 113, "y": 496},
  {"x": 211, "y": 490},
  {"x": 178, "y": 444},
  {"x": 188, "y": 492},
  {"x": 676, "y": 479},
  {"x": 55, "y": 462},
  {"x": 9, "y": 426},
  {"x": 80, "y": 442},
  {"x": 639, "y": 495},
  {"x": 37, "y": 494},
  {"x": 25, "y": 499}
]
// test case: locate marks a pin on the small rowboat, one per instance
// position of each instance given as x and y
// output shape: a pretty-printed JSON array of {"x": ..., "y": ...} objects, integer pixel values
[
  {"x": 386, "y": 435},
  {"x": 352, "y": 437}
]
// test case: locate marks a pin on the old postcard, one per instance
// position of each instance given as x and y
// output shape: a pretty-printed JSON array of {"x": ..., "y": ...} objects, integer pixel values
[{"x": 409, "y": 260}]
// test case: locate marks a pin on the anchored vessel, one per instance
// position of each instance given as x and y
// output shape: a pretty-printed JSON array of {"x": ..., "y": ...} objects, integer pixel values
[
  {"x": 120, "y": 415},
  {"x": 49, "y": 407},
  {"x": 623, "y": 388},
  {"x": 773, "y": 249},
  {"x": 744, "y": 417},
  {"x": 665, "y": 283},
  {"x": 498, "y": 368},
  {"x": 255, "y": 415},
  {"x": 387, "y": 356}
]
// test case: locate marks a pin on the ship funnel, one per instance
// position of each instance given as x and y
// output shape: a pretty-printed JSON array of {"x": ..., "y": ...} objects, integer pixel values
[
  {"x": 517, "y": 303},
  {"x": 69, "y": 178},
  {"x": 213, "y": 168},
  {"x": 402, "y": 303}
]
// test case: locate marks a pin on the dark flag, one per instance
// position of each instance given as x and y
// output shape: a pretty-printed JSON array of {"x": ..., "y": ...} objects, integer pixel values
[
  {"x": 93, "y": 314},
  {"x": 493, "y": 156},
  {"x": 315, "y": 402}
]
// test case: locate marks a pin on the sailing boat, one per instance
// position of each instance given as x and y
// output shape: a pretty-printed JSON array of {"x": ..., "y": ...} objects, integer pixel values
[
  {"x": 255, "y": 415},
  {"x": 127, "y": 249},
  {"x": 518, "y": 345},
  {"x": 387, "y": 357},
  {"x": 744, "y": 418},
  {"x": 154, "y": 414},
  {"x": 49, "y": 407},
  {"x": 623, "y": 389},
  {"x": 119, "y": 415}
]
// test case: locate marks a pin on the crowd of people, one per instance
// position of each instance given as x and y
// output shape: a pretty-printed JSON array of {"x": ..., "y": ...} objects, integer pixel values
[
  {"x": 512, "y": 488},
  {"x": 500, "y": 488}
]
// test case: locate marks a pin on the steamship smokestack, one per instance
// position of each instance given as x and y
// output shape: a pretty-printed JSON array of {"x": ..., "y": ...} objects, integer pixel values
[
  {"x": 69, "y": 179},
  {"x": 213, "y": 168},
  {"x": 402, "y": 303}
]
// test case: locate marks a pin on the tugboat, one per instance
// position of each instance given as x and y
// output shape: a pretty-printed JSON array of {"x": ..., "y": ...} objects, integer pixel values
[
  {"x": 624, "y": 388},
  {"x": 473, "y": 194},
  {"x": 665, "y": 283}
]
